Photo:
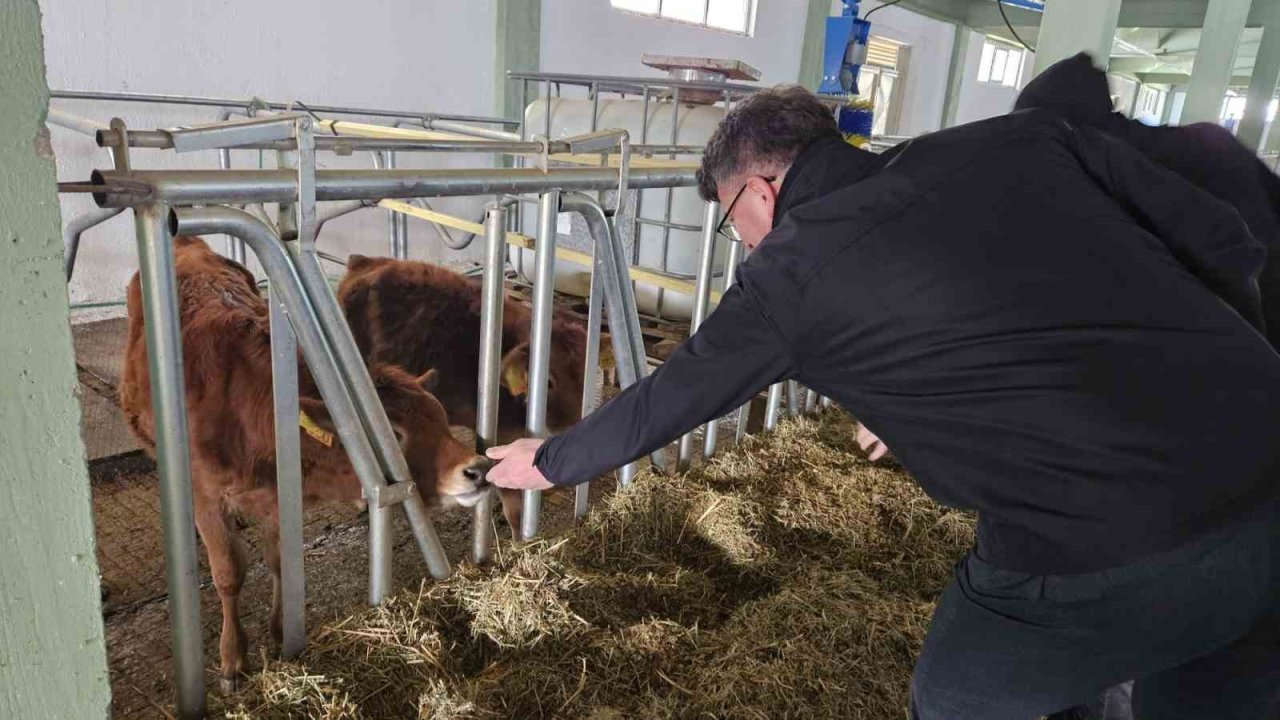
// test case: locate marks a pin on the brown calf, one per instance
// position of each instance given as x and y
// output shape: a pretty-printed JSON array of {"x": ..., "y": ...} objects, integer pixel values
[
  {"x": 420, "y": 316},
  {"x": 226, "y": 349}
]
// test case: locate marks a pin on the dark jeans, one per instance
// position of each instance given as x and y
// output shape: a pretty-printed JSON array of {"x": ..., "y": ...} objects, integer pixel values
[{"x": 1197, "y": 627}]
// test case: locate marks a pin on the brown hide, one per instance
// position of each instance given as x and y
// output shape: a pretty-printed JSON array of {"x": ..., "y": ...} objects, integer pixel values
[
  {"x": 422, "y": 316},
  {"x": 226, "y": 349}
]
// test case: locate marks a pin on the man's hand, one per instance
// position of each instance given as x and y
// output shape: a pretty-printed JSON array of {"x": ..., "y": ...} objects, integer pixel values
[
  {"x": 871, "y": 444},
  {"x": 515, "y": 468}
]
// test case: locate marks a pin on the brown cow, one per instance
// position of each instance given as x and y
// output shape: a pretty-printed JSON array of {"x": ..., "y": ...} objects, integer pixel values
[
  {"x": 226, "y": 350},
  {"x": 419, "y": 316}
]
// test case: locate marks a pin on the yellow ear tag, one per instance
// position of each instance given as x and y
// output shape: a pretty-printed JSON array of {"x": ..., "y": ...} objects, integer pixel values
[
  {"x": 309, "y": 427},
  {"x": 517, "y": 380}
]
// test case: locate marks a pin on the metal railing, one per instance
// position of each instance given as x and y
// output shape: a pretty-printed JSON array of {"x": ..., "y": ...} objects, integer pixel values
[{"x": 306, "y": 315}]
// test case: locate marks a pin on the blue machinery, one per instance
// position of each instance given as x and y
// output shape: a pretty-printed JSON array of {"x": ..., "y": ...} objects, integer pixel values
[{"x": 844, "y": 52}]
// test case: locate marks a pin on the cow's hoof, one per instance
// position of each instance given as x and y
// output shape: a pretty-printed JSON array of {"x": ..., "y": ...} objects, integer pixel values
[{"x": 229, "y": 684}]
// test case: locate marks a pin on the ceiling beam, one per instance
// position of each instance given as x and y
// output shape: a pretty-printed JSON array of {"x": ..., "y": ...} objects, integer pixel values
[
  {"x": 1133, "y": 13},
  {"x": 1176, "y": 78},
  {"x": 952, "y": 11}
]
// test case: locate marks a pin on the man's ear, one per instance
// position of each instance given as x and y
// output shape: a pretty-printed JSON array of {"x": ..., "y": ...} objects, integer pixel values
[
  {"x": 765, "y": 189},
  {"x": 515, "y": 370}
]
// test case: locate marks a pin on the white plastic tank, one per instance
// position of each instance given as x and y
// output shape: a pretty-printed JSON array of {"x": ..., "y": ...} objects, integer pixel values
[{"x": 694, "y": 126}]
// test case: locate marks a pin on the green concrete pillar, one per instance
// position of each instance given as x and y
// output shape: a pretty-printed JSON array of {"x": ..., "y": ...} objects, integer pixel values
[
  {"x": 1262, "y": 84},
  {"x": 1215, "y": 60},
  {"x": 517, "y": 46},
  {"x": 52, "y": 658},
  {"x": 815, "y": 37},
  {"x": 956, "y": 76},
  {"x": 1070, "y": 26}
]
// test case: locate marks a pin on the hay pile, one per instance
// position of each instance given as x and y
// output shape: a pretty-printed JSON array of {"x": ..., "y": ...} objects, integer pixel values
[{"x": 789, "y": 578}]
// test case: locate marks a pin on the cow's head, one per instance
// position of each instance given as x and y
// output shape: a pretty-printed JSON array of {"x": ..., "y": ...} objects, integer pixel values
[
  {"x": 446, "y": 471},
  {"x": 564, "y": 380}
]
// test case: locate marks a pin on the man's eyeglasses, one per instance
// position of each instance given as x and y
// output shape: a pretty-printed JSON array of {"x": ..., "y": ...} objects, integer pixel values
[{"x": 729, "y": 210}]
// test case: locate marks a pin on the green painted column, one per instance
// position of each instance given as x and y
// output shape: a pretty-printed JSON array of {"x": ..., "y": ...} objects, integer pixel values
[
  {"x": 1215, "y": 59},
  {"x": 1262, "y": 84},
  {"x": 52, "y": 657},
  {"x": 815, "y": 37},
  {"x": 518, "y": 46},
  {"x": 955, "y": 78},
  {"x": 1070, "y": 26}
]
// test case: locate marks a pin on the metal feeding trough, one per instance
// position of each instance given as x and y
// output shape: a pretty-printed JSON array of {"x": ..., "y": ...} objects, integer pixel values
[{"x": 700, "y": 70}]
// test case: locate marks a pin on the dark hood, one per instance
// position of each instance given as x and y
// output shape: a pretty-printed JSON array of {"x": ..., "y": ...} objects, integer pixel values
[
  {"x": 1074, "y": 88},
  {"x": 823, "y": 166}
]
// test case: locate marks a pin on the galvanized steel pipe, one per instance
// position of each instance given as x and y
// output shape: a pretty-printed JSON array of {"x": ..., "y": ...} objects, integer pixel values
[
  {"x": 490, "y": 372},
  {"x": 192, "y": 187},
  {"x": 540, "y": 342},
  {"x": 173, "y": 458},
  {"x": 701, "y": 300}
]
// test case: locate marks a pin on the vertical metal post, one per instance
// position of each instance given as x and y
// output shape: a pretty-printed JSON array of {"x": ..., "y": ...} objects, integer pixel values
[
  {"x": 794, "y": 402},
  {"x": 773, "y": 406},
  {"x": 284, "y": 390},
  {"x": 540, "y": 342},
  {"x": 168, "y": 400},
  {"x": 301, "y": 218},
  {"x": 810, "y": 402},
  {"x": 666, "y": 228},
  {"x": 235, "y": 246},
  {"x": 591, "y": 372},
  {"x": 490, "y": 376},
  {"x": 624, "y": 322},
  {"x": 637, "y": 231},
  {"x": 732, "y": 258},
  {"x": 701, "y": 299},
  {"x": 393, "y": 220}
]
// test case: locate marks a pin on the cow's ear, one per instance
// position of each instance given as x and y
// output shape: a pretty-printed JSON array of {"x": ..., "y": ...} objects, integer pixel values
[
  {"x": 314, "y": 420},
  {"x": 515, "y": 370},
  {"x": 363, "y": 263},
  {"x": 429, "y": 380}
]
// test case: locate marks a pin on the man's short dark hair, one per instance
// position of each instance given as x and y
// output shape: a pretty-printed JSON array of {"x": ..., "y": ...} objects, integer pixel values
[{"x": 764, "y": 134}]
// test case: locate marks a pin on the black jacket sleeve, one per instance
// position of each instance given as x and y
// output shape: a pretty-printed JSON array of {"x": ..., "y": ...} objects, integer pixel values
[
  {"x": 1204, "y": 234},
  {"x": 733, "y": 355}
]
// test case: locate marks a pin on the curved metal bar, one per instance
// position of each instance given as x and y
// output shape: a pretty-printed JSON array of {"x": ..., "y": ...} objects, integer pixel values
[
  {"x": 624, "y": 320},
  {"x": 77, "y": 227}
]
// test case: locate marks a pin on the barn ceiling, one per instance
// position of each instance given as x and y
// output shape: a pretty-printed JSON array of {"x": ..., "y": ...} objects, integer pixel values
[{"x": 1156, "y": 42}]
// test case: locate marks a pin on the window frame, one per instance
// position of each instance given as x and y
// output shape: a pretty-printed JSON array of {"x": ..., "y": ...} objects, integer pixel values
[
  {"x": 1010, "y": 52},
  {"x": 749, "y": 21}
]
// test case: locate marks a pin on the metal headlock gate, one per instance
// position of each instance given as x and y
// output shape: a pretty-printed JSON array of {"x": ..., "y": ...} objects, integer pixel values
[{"x": 305, "y": 314}]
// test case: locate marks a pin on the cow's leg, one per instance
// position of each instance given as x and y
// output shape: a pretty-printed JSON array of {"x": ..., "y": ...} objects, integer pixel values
[
  {"x": 512, "y": 502},
  {"x": 270, "y": 529},
  {"x": 228, "y": 564}
]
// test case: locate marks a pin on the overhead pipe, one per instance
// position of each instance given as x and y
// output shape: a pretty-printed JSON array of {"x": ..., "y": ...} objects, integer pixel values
[
  {"x": 232, "y": 102},
  {"x": 116, "y": 188}
]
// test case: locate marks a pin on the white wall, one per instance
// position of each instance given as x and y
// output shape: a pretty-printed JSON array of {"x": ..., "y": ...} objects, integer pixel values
[
  {"x": 590, "y": 36},
  {"x": 925, "y": 91},
  {"x": 414, "y": 55},
  {"x": 979, "y": 100}
]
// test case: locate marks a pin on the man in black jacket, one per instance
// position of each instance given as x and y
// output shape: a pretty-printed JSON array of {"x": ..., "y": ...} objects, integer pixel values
[
  {"x": 1206, "y": 155},
  {"x": 1048, "y": 329}
]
